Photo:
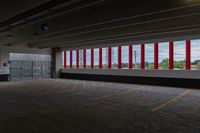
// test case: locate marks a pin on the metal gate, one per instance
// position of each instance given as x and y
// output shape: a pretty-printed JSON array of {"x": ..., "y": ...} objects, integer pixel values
[{"x": 29, "y": 66}]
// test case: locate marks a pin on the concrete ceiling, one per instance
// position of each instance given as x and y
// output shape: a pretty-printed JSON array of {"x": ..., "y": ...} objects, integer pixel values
[
  {"x": 95, "y": 23},
  {"x": 11, "y": 8}
]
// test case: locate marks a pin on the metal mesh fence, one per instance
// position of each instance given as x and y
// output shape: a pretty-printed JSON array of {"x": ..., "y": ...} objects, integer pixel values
[{"x": 29, "y": 66}]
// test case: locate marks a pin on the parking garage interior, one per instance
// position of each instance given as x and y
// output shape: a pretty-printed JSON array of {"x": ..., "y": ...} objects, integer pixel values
[{"x": 111, "y": 66}]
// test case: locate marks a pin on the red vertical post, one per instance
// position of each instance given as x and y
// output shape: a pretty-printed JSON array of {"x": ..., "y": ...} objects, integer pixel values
[
  {"x": 65, "y": 59},
  {"x": 130, "y": 65},
  {"x": 171, "y": 55},
  {"x": 71, "y": 59},
  {"x": 100, "y": 58},
  {"x": 109, "y": 58},
  {"x": 142, "y": 56},
  {"x": 119, "y": 57},
  {"x": 156, "y": 55},
  {"x": 84, "y": 58},
  {"x": 92, "y": 58},
  {"x": 77, "y": 58},
  {"x": 188, "y": 54}
]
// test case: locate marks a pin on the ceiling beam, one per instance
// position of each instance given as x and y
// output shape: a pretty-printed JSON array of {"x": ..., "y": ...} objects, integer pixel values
[
  {"x": 146, "y": 38},
  {"x": 135, "y": 29},
  {"x": 142, "y": 18},
  {"x": 36, "y": 10},
  {"x": 98, "y": 18}
]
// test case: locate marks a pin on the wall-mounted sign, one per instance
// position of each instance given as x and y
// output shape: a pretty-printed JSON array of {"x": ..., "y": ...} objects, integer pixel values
[{"x": 45, "y": 27}]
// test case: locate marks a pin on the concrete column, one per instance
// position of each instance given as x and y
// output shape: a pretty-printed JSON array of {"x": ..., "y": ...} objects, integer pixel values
[{"x": 56, "y": 62}]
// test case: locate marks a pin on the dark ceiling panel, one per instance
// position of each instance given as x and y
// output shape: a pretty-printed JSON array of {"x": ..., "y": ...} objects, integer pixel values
[
  {"x": 33, "y": 11},
  {"x": 108, "y": 20},
  {"x": 10, "y": 8}
]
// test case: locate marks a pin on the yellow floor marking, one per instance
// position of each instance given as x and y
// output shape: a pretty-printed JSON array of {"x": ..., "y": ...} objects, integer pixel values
[
  {"x": 128, "y": 89},
  {"x": 102, "y": 99},
  {"x": 110, "y": 95},
  {"x": 117, "y": 93},
  {"x": 171, "y": 100}
]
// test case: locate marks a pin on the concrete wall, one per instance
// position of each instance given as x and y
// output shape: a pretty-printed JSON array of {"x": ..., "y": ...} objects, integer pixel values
[
  {"x": 4, "y": 53},
  {"x": 56, "y": 62},
  {"x": 185, "y": 79},
  {"x": 187, "y": 74}
]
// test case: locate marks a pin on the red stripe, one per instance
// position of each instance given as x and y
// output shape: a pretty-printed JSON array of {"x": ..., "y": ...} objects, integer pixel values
[
  {"x": 100, "y": 58},
  {"x": 171, "y": 55},
  {"x": 130, "y": 57},
  {"x": 119, "y": 57},
  {"x": 188, "y": 54},
  {"x": 109, "y": 57},
  {"x": 156, "y": 55},
  {"x": 71, "y": 58},
  {"x": 65, "y": 59},
  {"x": 84, "y": 58},
  {"x": 142, "y": 56},
  {"x": 92, "y": 57},
  {"x": 77, "y": 58}
]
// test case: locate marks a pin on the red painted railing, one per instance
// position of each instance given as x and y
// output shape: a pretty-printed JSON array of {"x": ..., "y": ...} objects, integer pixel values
[{"x": 130, "y": 57}]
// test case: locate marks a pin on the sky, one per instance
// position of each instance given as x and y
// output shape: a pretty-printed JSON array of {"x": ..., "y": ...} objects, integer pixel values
[{"x": 179, "y": 53}]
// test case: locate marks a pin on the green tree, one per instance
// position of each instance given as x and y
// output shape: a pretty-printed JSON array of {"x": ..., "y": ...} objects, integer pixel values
[
  {"x": 179, "y": 64},
  {"x": 164, "y": 64}
]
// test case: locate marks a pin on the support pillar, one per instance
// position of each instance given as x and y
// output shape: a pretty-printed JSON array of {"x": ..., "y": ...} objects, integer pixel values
[
  {"x": 100, "y": 58},
  {"x": 119, "y": 57},
  {"x": 188, "y": 54},
  {"x": 156, "y": 55},
  {"x": 109, "y": 57},
  {"x": 142, "y": 56},
  {"x": 77, "y": 58},
  {"x": 65, "y": 59},
  {"x": 92, "y": 58},
  {"x": 130, "y": 65},
  {"x": 171, "y": 55},
  {"x": 56, "y": 54},
  {"x": 71, "y": 59},
  {"x": 84, "y": 58}
]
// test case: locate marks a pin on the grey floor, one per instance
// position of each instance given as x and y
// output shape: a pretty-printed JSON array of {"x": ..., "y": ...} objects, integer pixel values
[{"x": 74, "y": 106}]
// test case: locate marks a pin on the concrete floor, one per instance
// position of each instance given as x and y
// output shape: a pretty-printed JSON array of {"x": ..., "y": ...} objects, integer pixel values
[{"x": 74, "y": 106}]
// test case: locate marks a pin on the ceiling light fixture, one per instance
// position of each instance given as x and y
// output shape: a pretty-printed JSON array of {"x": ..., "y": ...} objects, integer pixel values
[{"x": 9, "y": 34}]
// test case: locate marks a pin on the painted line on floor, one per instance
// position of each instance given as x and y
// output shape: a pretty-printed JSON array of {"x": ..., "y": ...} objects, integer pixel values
[
  {"x": 61, "y": 84},
  {"x": 98, "y": 101},
  {"x": 117, "y": 93},
  {"x": 171, "y": 100},
  {"x": 102, "y": 84},
  {"x": 54, "y": 84},
  {"x": 84, "y": 84},
  {"x": 74, "y": 85},
  {"x": 65, "y": 84},
  {"x": 102, "y": 99},
  {"x": 93, "y": 83},
  {"x": 110, "y": 95}
]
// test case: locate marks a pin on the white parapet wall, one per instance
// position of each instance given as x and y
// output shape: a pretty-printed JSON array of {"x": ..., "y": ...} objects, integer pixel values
[{"x": 186, "y": 74}]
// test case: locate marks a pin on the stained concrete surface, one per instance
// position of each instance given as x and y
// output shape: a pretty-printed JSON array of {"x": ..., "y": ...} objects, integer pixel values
[{"x": 74, "y": 106}]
